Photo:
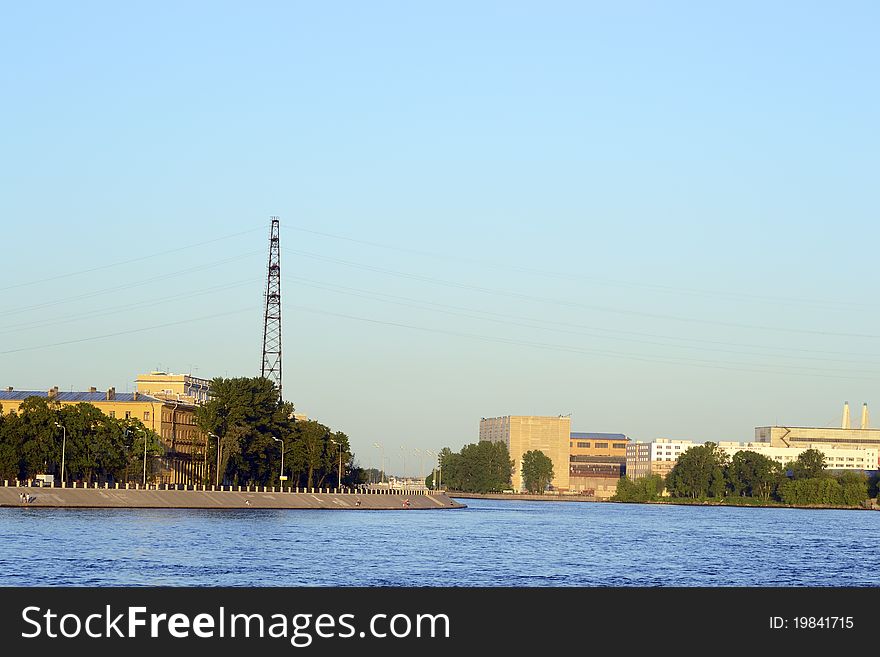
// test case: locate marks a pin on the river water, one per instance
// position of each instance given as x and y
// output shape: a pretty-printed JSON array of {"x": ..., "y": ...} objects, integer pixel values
[{"x": 491, "y": 543}]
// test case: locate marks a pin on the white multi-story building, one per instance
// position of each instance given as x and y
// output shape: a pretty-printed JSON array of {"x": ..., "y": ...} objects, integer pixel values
[
  {"x": 836, "y": 458},
  {"x": 656, "y": 457}
]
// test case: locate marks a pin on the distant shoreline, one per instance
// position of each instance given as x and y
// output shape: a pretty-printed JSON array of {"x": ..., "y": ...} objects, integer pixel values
[
  {"x": 522, "y": 496},
  {"x": 112, "y": 498},
  {"x": 579, "y": 498}
]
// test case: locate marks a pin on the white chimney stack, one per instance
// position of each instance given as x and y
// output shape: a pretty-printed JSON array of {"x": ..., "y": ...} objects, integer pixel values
[
  {"x": 845, "y": 424},
  {"x": 865, "y": 419}
]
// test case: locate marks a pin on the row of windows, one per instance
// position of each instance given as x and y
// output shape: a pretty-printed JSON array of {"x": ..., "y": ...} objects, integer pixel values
[{"x": 112, "y": 415}]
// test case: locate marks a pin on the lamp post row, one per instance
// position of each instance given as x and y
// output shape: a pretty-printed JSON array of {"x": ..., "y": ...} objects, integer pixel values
[{"x": 281, "y": 476}]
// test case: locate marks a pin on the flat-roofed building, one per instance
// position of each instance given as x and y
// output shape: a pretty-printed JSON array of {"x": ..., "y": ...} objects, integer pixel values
[
  {"x": 844, "y": 436},
  {"x": 596, "y": 463},
  {"x": 656, "y": 457},
  {"x": 798, "y": 436},
  {"x": 523, "y": 433},
  {"x": 836, "y": 458},
  {"x": 166, "y": 385},
  {"x": 185, "y": 445}
]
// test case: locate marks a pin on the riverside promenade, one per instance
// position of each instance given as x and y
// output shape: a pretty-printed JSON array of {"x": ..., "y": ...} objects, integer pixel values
[{"x": 225, "y": 497}]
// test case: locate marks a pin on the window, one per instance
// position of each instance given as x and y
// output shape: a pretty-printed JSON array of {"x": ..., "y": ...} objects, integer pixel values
[
  {"x": 584, "y": 445},
  {"x": 146, "y": 416},
  {"x": 619, "y": 446},
  {"x": 127, "y": 415},
  {"x": 601, "y": 445},
  {"x": 112, "y": 415}
]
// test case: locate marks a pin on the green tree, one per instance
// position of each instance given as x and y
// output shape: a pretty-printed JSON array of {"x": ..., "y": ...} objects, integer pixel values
[
  {"x": 247, "y": 415},
  {"x": 643, "y": 489},
  {"x": 753, "y": 475},
  {"x": 698, "y": 473},
  {"x": 537, "y": 471},
  {"x": 482, "y": 467},
  {"x": 854, "y": 487},
  {"x": 11, "y": 462},
  {"x": 810, "y": 464}
]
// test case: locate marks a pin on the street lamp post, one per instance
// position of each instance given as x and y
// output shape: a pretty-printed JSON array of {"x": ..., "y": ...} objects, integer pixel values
[
  {"x": 420, "y": 454},
  {"x": 281, "y": 475},
  {"x": 339, "y": 478},
  {"x": 217, "y": 471},
  {"x": 433, "y": 469},
  {"x": 63, "y": 448},
  {"x": 144, "y": 433},
  {"x": 381, "y": 460},
  {"x": 403, "y": 454}
]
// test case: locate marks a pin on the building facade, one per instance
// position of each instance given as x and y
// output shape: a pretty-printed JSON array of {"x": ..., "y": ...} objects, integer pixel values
[
  {"x": 184, "y": 444},
  {"x": 183, "y": 387},
  {"x": 596, "y": 462},
  {"x": 800, "y": 436},
  {"x": 836, "y": 458},
  {"x": 523, "y": 433},
  {"x": 657, "y": 457}
]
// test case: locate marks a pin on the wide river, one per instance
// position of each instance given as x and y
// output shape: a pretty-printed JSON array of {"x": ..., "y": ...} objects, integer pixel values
[{"x": 491, "y": 543}]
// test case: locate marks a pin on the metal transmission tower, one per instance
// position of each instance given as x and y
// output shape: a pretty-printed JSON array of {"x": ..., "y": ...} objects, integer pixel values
[{"x": 272, "y": 317}]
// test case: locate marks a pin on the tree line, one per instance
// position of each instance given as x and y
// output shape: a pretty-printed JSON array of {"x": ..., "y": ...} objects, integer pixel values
[
  {"x": 244, "y": 415},
  {"x": 96, "y": 448},
  {"x": 486, "y": 467},
  {"x": 254, "y": 427},
  {"x": 705, "y": 472}
]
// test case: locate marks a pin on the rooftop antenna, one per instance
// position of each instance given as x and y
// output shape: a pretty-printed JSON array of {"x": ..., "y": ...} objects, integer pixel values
[{"x": 271, "y": 368}]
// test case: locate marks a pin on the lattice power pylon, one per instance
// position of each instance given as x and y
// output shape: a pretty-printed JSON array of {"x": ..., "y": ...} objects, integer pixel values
[{"x": 272, "y": 317}]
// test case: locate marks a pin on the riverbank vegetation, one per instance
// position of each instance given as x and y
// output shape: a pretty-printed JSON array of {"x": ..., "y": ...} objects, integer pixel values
[
  {"x": 704, "y": 473},
  {"x": 482, "y": 467}
]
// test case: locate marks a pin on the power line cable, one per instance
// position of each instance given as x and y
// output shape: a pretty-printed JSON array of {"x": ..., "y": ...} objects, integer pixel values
[
  {"x": 561, "y": 302},
  {"x": 570, "y": 349},
  {"x": 128, "y": 285},
  {"x": 113, "y": 310},
  {"x": 126, "y": 262},
  {"x": 579, "y": 277},
  {"x": 128, "y": 332},
  {"x": 514, "y": 320}
]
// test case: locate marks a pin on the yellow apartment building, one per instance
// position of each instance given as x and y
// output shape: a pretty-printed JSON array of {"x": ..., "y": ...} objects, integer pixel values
[
  {"x": 174, "y": 422},
  {"x": 523, "y": 433}
]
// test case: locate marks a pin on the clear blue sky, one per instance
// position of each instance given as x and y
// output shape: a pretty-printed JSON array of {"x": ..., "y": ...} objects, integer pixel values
[{"x": 659, "y": 217}]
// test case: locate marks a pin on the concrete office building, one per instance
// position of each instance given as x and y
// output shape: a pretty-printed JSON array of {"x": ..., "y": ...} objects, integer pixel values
[
  {"x": 524, "y": 433},
  {"x": 596, "y": 463},
  {"x": 836, "y": 458},
  {"x": 656, "y": 457}
]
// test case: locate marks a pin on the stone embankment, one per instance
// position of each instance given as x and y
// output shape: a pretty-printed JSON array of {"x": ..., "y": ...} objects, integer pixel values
[
  {"x": 226, "y": 497},
  {"x": 524, "y": 496}
]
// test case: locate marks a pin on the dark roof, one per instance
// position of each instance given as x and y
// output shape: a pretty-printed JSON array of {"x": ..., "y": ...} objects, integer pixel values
[
  {"x": 598, "y": 436},
  {"x": 88, "y": 397}
]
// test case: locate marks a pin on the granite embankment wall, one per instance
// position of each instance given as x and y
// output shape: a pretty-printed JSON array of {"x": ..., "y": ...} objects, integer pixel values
[
  {"x": 228, "y": 498},
  {"x": 524, "y": 496}
]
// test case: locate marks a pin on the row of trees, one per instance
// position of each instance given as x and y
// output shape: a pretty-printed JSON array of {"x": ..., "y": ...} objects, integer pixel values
[
  {"x": 248, "y": 421},
  {"x": 486, "y": 467},
  {"x": 254, "y": 425},
  {"x": 482, "y": 467},
  {"x": 705, "y": 472},
  {"x": 95, "y": 448}
]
